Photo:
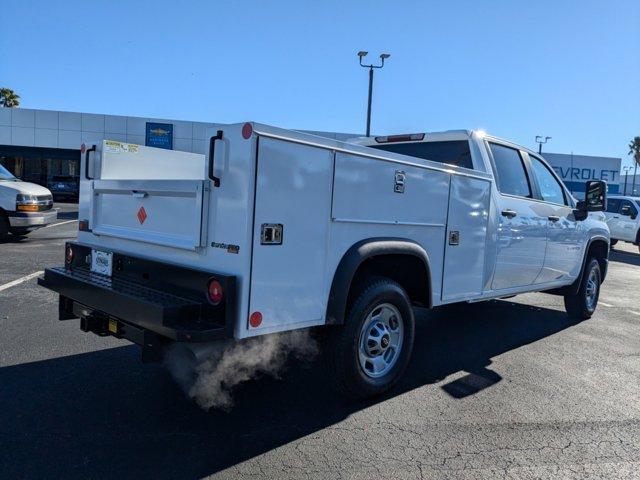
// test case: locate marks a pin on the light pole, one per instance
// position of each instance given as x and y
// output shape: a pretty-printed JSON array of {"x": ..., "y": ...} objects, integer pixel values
[
  {"x": 540, "y": 141},
  {"x": 383, "y": 56},
  {"x": 625, "y": 169}
]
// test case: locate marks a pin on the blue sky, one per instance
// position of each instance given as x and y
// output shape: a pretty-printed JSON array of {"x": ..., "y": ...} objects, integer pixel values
[{"x": 567, "y": 69}]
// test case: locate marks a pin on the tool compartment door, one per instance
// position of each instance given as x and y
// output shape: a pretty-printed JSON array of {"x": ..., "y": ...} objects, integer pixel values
[
  {"x": 466, "y": 237},
  {"x": 161, "y": 212},
  {"x": 293, "y": 189}
]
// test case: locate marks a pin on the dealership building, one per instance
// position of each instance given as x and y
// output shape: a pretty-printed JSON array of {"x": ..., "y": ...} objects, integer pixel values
[{"x": 41, "y": 146}]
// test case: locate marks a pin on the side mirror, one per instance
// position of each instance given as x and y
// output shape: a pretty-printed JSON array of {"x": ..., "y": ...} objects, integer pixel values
[
  {"x": 595, "y": 197},
  {"x": 626, "y": 211}
]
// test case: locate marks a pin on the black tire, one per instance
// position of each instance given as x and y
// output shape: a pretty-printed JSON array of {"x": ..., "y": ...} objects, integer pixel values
[
  {"x": 20, "y": 233},
  {"x": 344, "y": 342},
  {"x": 4, "y": 226},
  {"x": 612, "y": 243},
  {"x": 582, "y": 305}
]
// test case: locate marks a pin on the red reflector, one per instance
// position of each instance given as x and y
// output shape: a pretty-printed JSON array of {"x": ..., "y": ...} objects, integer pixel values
[
  {"x": 214, "y": 290},
  {"x": 409, "y": 137},
  {"x": 83, "y": 225},
  {"x": 255, "y": 319},
  {"x": 247, "y": 131},
  {"x": 68, "y": 257},
  {"x": 142, "y": 215}
]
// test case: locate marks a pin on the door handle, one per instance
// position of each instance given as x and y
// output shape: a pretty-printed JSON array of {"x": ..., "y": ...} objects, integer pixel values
[
  {"x": 553, "y": 218},
  {"x": 509, "y": 213}
]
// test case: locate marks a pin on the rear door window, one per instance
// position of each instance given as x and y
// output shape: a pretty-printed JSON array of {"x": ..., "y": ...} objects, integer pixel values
[
  {"x": 454, "y": 152},
  {"x": 511, "y": 176}
]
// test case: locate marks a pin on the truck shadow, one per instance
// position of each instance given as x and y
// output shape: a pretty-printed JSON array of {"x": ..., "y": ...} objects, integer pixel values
[
  {"x": 103, "y": 414},
  {"x": 621, "y": 256}
]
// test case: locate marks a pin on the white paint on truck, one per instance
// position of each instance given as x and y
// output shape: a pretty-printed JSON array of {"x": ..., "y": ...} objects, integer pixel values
[{"x": 304, "y": 225}]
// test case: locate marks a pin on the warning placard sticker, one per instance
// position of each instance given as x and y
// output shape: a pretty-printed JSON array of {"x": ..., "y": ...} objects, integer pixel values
[{"x": 112, "y": 146}]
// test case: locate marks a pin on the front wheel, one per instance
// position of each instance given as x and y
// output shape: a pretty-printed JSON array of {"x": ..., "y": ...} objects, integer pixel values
[
  {"x": 4, "y": 226},
  {"x": 583, "y": 304},
  {"x": 370, "y": 352}
]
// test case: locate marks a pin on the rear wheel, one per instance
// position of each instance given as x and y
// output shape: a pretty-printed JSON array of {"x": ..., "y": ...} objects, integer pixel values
[
  {"x": 612, "y": 243},
  {"x": 370, "y": 352},
  {"x": 583, "y": 304}
]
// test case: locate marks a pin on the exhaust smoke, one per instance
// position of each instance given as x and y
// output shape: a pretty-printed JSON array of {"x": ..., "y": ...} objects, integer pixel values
[{"x": 208, "y": 373}]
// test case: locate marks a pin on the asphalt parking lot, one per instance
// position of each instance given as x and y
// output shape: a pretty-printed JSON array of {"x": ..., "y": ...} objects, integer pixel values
[{"x": 507, "y": 389}]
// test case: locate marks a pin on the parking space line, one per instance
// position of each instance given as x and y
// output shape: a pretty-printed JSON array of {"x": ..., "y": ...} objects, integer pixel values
[
  {"x": 635, "y": 313},
  {"x": 605, "y": 304},
  {"x": 20, "y": 280},
  {"x": 59, "y": 223}
]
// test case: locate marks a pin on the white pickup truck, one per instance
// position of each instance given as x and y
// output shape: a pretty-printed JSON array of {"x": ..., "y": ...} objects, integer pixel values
[
  {"x": 623, "y": 219},
  {"x": 278, "y": 230},
  {"x": 24, "y": 206}
]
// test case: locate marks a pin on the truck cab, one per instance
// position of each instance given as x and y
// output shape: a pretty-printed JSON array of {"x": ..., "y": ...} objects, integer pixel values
[
  {"x": 538, "y": 237},
  {"x": 623, "y": 219},
  {"x": 277, "y": 230},
  {"x": 24, "y": 206}
]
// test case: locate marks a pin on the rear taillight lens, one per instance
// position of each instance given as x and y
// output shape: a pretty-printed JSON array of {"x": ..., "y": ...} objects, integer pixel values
[
  {"x": 83, "y": 225},
  {"x": 214, "y": 292}
]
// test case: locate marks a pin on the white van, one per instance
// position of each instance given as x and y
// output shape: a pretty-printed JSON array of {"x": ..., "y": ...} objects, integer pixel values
[
  {"x": 623, "y": 219},
  {"x": 24, "y": 206}
]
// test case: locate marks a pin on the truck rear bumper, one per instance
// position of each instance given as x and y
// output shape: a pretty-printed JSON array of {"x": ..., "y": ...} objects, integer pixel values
[
  {"x": 123, "y": 306},
  {"x": 32, "y": 220}
]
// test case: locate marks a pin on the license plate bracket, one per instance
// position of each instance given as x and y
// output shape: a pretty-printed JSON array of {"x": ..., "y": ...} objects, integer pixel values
[{"x": 102, "y": 262}]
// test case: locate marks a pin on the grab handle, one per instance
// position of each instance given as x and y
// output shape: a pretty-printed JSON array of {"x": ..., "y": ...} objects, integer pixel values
[
  {"x": 212, "y": 147},
  {"x": 86, "y": 162}
]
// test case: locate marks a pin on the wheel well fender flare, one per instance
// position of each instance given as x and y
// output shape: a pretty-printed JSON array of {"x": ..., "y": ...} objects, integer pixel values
[
  {"x": 355, "y": 256},
  {"x": 575, "y": 286}
]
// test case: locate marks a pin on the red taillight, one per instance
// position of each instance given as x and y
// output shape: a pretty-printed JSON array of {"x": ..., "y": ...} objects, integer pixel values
[
  {"x": 255, "y": 319},
  {"x": 410, "y": 137},
  {"x": 214, "y": 290},
  {"x": 68, "y": 256},
  {"x": 83, "y": 225},
  {"x": 247, "y": 131}
]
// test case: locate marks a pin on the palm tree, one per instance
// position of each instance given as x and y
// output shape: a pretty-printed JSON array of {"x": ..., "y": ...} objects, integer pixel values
[
  {"x": 634, "y": 149},
  {"x": 9, "y": 98}
]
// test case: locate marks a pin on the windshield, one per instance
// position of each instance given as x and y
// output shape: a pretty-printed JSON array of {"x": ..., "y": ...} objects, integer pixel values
[{"x": 5, "y": 174}]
